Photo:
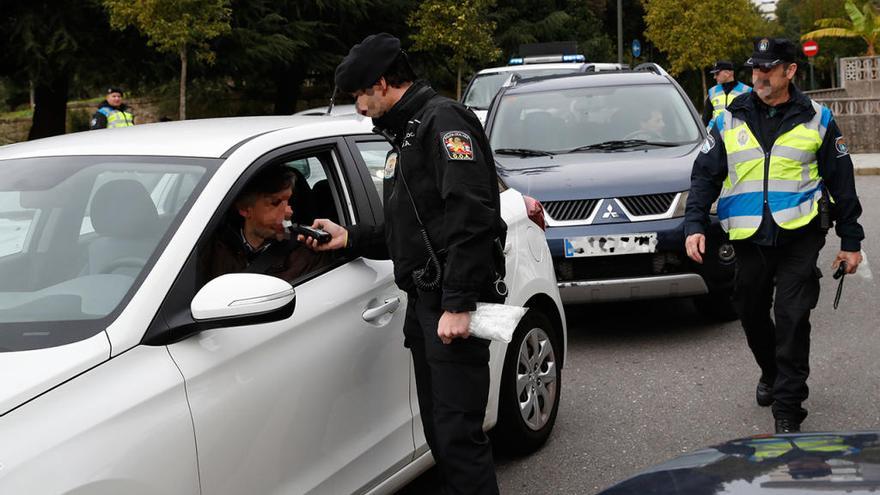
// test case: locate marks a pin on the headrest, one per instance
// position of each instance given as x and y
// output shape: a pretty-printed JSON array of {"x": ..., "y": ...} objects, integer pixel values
[{"x": 123, "y": 208}]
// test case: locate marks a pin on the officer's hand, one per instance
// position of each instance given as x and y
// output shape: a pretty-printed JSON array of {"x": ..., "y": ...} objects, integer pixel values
[
  {"x": 695, "y": 245},
  {"x": 338, "y": 236},
  {"x": 453, "y": 326},
  {"x": 852, "y": 258}
]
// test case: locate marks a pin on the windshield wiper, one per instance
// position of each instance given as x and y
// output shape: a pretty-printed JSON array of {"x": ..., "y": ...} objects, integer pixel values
[
  {"x": 522, "y": 152},
  {"x": 622, "y": 144}
]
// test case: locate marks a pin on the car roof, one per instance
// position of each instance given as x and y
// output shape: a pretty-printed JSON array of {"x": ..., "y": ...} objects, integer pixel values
[
  {"x": 529, "y": 67},
  {"x": 586, "y": 80},
  {"x": 206, "y": 138}
]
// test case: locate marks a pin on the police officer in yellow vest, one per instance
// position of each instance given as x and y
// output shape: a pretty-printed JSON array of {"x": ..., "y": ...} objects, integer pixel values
[
  {"x": 724, "y": 92},
  {"x": 112, "y": 113},
  {"x": 770, "y": 155}
]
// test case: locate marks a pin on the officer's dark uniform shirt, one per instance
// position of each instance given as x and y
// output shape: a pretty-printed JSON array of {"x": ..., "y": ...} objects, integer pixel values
[
  {"x": 708, "y": 109},
  {"x": 767, "y": 123},
  {"x": 439, "y": 147}
]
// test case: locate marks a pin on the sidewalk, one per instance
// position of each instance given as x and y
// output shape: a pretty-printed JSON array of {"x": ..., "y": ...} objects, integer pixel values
[{"x": 866, "y": 163}]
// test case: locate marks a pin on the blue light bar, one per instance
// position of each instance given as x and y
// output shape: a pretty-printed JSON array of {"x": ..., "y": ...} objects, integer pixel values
[
  {"x": 573, "y": 58},
  {"x": 515, "y": 61}
]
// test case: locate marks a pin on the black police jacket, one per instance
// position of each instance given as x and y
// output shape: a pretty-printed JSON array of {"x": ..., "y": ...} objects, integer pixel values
[
  {"x": 441, "y": 153},
  {"x": 833, "y": 160}
]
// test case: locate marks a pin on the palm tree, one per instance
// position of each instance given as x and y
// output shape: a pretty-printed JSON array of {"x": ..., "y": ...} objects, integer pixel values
[{"x": 863, "y": 24}]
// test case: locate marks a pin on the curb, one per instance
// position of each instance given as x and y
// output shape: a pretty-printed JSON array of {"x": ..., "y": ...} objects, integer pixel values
[{"x": 867, "y": 170}]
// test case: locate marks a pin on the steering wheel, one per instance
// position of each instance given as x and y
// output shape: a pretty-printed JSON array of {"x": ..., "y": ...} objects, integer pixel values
[
  {"x": 644, "y": 134},
  {"x": 129, "y": 261}
]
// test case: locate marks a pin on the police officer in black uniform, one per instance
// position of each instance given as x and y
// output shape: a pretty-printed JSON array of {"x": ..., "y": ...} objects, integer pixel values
[
  {"x": 442, "y": 230},
  {"x": 770, "y": 155}
]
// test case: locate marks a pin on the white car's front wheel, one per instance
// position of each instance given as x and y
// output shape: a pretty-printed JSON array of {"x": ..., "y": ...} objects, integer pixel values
[{"x": 530, "y": 386}]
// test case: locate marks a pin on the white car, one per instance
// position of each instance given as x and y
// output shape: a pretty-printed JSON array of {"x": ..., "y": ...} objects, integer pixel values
[{"x": 122, "y": 372}]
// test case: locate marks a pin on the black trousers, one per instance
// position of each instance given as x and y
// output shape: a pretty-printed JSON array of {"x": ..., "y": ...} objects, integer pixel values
[
  {"x": 452, "y": 381},
  {"x": 781, "y": 345}
]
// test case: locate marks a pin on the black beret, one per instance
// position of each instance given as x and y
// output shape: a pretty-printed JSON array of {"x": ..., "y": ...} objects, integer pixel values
[
  {"x": 722, "y": 65},
  {"x": 115, "y": 89},
  {"x": 366, "y": 62}
]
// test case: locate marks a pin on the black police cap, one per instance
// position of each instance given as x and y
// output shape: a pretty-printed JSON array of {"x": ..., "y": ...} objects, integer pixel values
[
  {"x": 366, "y": 62},
  {"x": 115, "y": 89},
  {"x": 722, "y": 65},
  {"x": 772, "y": 51}
]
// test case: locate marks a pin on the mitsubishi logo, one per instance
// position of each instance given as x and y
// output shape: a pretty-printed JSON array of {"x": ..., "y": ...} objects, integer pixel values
[{"x": 610, "y": 213}]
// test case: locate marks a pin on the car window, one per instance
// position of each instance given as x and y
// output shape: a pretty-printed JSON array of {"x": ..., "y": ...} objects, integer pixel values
[
  {"x": 484, "y": 87},
  {"x": 374, "y": 154},
  {"x": 63, "y": 283},
  {"x": 310, "y": 168},
  {"x": 561, "y": 120},
  {"x": 15, "y": 222}
]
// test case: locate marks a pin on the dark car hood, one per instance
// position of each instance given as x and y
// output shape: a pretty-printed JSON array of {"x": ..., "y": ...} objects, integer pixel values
[
  {"x": 597, "y": 174},
  {"x": 806, "y": 463}
]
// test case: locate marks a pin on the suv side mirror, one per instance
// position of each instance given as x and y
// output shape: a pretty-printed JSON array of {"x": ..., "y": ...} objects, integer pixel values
[{"x": 241, "y": 294}]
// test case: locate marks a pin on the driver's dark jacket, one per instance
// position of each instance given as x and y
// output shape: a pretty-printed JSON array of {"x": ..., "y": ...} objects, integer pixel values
[{"x": 457, "y": 199}]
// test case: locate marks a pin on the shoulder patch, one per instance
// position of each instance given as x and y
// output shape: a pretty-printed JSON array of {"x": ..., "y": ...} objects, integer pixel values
[
  {"x": 841, "y": 147},
  {"x": 708, "y": 144},
  {"x": 458, "y": 145},
  {"x": 390, "y": 165}
]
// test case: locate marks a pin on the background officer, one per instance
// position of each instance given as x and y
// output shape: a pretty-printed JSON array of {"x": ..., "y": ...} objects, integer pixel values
[
  {"x": 442, "y": 222},
  {"x": 112, "y": 112},
  {"x": 771, "y": 155},
  {"x": 724, "y": 92}
]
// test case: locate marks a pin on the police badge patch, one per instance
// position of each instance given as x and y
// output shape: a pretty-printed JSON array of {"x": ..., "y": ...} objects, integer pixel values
[
  {"x": 743, "y": 137},
  {"x": 840, "y": 145},
  {"x": 708, "y": 144},
  {"x": 458, "y": 146},
  {"x": 390, "y": 164}
]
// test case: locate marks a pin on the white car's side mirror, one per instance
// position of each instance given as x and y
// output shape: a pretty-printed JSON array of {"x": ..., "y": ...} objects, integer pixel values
[{"x": 240, "y": 294}]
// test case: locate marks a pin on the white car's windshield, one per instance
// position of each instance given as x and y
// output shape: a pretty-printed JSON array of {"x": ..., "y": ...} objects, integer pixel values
[
  {"x": 75, "y": 235},
  {"x": 484, "y": 87},
  {"x": 570, "y": 119}
]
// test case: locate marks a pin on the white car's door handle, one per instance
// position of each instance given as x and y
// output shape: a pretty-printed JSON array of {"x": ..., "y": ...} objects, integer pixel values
[{"x": 389, "y": 306}]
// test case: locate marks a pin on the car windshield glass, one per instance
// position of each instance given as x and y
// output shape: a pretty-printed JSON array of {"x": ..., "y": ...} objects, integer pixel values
[
  {"x": 77, "y": 233},
  {"x": 484, "y": 87},
  {"x": 565, "y": 120}
]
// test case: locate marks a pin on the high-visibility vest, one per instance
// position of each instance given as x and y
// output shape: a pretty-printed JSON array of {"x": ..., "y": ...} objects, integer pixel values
[
  {"x": 117, "y": 118},
  {"x": 720, "y": 99},
  {"x": 792, "y": 187}
]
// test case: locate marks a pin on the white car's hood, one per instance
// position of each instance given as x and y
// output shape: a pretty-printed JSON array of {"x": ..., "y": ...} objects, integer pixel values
[{"x": 27, "y": 374}]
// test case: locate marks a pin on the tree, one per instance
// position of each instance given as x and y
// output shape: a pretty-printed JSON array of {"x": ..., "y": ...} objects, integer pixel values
[
  {"x": 174, "y": 26},
  {"x": 864, "y": 24},
  {"x": 697, "y": 33},
  {"x": 458, "y": 28}
]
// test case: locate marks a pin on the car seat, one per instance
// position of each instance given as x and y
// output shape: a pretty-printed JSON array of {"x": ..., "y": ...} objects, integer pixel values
[
  {"x": 302, "y": 202},
  {"x": 325, "y": 206},
  {"x": 128, "y": 228}
]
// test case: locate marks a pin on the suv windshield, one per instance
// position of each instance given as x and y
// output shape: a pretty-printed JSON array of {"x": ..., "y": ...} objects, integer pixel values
[
  {"x": 75, "y": 235},
  {"x": 484, "y": 87},
  {"x": 576, "y": 119}
]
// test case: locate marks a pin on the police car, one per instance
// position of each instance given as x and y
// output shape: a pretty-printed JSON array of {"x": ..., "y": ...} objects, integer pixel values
[
  {"x": 610, "y": 155},
  {"x": 122, "y": 373},
  {"x": 486, "y": 83}
]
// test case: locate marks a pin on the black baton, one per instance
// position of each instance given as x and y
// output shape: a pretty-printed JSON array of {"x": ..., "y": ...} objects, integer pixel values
[{"x": 840, "y": 273}]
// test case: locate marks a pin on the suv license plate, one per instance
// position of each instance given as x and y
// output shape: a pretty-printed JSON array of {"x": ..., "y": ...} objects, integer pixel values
[{"x": 610, "y": 245}]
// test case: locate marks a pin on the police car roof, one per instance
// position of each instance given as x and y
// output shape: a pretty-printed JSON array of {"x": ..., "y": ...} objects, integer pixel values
[
  {"x": 586, "y": 80},
  {"x": 207, "y": 138},
  {"x": 530, "y": 67}
]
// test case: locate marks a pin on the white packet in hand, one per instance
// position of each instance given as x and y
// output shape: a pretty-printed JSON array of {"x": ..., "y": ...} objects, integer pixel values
[{"x": 495, "y": 321}]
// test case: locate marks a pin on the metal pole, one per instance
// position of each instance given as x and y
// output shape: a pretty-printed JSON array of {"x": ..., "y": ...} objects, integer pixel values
[
  {"x": 812, "y": 77},
  {"x": 619, "y": 31}
]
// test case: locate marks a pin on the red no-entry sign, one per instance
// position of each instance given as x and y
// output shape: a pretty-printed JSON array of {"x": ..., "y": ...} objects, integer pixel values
[{"x": 811, "y": 48}]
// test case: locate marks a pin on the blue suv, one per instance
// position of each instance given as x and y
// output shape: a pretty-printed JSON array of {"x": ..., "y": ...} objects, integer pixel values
[{"x": 609, "y": 156}]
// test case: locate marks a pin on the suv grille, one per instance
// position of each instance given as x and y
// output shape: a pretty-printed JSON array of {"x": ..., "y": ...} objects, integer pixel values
[
  {"x": 579, "y": 209},
  {"x": 650, "y": 204}
]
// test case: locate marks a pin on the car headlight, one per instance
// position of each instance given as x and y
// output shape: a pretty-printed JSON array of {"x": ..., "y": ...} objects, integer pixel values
[{"x": 681, "y": 205}]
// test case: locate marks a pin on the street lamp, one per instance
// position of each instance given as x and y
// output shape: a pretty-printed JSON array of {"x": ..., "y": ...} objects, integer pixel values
[{"x": 619, "y": 31}]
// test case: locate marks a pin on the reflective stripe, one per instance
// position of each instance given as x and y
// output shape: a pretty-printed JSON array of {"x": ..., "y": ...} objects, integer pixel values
[
  {"x": 800, "y": 156},
  {"x": 745, "y": 155}
]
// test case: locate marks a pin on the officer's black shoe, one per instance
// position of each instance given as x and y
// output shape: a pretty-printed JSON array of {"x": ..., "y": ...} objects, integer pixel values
[
  {"x": 787, "y": 426},
  {"x": 764, "y": 394}
]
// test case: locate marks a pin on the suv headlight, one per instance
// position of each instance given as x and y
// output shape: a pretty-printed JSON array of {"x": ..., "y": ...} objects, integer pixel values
[{"x": 681, "y": 205}]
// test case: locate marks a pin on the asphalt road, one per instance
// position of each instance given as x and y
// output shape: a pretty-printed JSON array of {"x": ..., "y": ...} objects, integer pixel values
[{"x": 650, "y": 380}]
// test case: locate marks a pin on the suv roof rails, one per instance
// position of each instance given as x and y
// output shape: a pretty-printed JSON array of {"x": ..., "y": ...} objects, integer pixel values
[{"x": 651, "y": 67}]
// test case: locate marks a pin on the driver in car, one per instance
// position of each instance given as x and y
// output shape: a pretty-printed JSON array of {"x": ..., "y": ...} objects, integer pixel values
[{"x": 252, "y": 239}]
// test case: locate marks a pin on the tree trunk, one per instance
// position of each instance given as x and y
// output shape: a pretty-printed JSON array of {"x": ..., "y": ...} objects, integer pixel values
[
  {"x": 458, "y": 84},
  {"x": 182, "y": 112},
  {"x": 288, "y": 84},
  {"x": 50, "y": 107},
  {"x": 705, "y": 89},
  {"x": 871, "y": 49}
]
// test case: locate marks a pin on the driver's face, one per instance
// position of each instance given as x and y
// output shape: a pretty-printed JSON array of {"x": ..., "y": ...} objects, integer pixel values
[{"x": 264, "y": 217}]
